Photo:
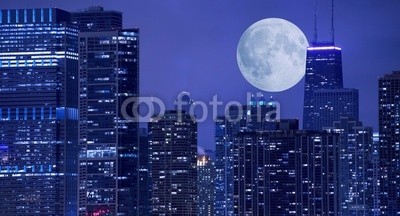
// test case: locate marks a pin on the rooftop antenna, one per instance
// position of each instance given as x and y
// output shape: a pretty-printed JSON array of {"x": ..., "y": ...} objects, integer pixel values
[
  {"x": 333, "y": 27},
  {"x": 315, "y": 22}
]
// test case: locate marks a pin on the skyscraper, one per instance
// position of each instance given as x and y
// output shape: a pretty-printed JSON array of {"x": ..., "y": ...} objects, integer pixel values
[
  {"x": 144, "y": 173},
  {"x": 109, "y": 75},
  {"x": 95, "y": 18},
  {"x": 355, "y": 174},
  {"x": 38, "y": 112},
  {"x": 285, "y": 173},
  {"x": 375, "y": 174},
  {"x": 332, "y": 104},
  {"x": 173, "y": 164},
  {"x": 258, "y": 114},
  {"x": 323, "y": 71},
  {"x": 389, "y": 143},
  {"x": 206, "y": 187}
]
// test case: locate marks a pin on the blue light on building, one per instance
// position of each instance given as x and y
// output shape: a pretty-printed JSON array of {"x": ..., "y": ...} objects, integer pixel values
[
  {"x": 38, "y": 67},
  {"x": 323, "y": 71}
]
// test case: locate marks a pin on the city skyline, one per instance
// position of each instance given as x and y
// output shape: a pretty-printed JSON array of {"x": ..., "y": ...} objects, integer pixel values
[
  {"x": 102, "y": 115},
  {"x": 201, "y": 38}
]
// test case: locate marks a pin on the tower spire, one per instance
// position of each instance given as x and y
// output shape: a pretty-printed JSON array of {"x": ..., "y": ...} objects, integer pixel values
[
  {"x": 315, "y": 23},
  {"x": 333, "y": 27}
]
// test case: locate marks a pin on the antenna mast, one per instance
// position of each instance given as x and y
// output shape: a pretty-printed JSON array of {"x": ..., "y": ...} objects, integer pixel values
[
  {"x": 333, "y": 27},
  {"x": 315, "y": 23}
]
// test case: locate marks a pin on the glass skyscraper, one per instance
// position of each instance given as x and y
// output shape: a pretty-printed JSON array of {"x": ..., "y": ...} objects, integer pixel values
[
  {"x": 173, "y": 164},
  {"x": 323, "y": 71},
  {"x": 355, "y": 167},
  {"x": 332, "y": 104},
  {"x": 206, "y": 187},
  {"x": 96, "y": 18},
  {"x": 259, "y": 114},
  {"x": 144, "y": 173},
  {"x": 285, "y": 172},
  {"x": 108, "y": 150},
  {"x": 38, "y": 112},
  {"x": 389, "y": 143}
]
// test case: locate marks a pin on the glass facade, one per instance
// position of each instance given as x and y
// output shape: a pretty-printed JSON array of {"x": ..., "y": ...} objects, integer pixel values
[
  {"x": 389, "y": 143},
  {"x": 259, "y": 114},
  {"x": 108, "y": 160},
  {"x": 97, "y": 19},
  {"x": 285, "y": 173},
  {"x": 38, "y": 112},
  {"x": 206, "y": 187},
  {"x": 332, "y": 104},
  {"x": 355, "y": 167},
  {"x": 144, "y": 173},
  {"x": 323, "y": 71},
  {"x": 173, "y": 164},
  {"x": 253, "y": 117}
]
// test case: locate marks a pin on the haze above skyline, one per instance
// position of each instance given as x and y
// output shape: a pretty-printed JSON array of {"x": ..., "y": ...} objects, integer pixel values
[{"x": 191, "y": 46}]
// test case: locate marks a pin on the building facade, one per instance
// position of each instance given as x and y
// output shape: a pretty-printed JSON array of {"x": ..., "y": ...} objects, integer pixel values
[
  {"x": 323, "y": 71},
  {"x": 173, "y": 164},
  {"x": 96, "y": 18},
  {"x": 286, "y": 173},
  {"x": 38, "y": 112},
  {"x": 109, "y": 142},
  {"x": 375, "y": 176},
  {"x": 355, "y": 167},
  {"x": 389, "y": 143},
  {"x": 258, "y": 114},
  {"x": 332, "y": 104},
  {"x": 144, "y": 173},
  {"x": 206, "y": 187}
]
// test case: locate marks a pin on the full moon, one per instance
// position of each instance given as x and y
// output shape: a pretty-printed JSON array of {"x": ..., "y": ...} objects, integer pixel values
[{"x": 271, "y": 54}]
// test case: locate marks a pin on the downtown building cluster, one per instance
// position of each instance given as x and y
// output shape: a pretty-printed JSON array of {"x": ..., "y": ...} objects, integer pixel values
[
  {"x": 333, "y": 166},
  {"x": 67, "y": 148}
]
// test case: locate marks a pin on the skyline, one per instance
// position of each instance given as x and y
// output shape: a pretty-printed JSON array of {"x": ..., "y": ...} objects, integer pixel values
[{"x": 195, "y": 48}]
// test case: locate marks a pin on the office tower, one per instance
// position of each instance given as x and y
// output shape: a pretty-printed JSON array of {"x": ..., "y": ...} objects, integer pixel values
[
  {"x": 109, "y": 76},
  {"x": 206, "y": 187},
  {"x": 97, "y": 19},
  {"x": 224, "y": 166},
  {"x": 144, "y": 173},
  {"x": 173, "y": 164},
  {"x": 259, "y": 114},
  {"x": 332, "y": 104},
  {"x": 285, "y": 173},
  {"x": 323, "y": 71},
  {"x": 38, "y": 112},
  {"x": 375, "y": 176},
  {"x": 389, "y": 143},
  {"x": 355, "y": 163}
]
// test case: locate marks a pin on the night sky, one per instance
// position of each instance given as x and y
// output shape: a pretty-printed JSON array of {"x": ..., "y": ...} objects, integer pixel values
[{"x": 190, "y": 45}]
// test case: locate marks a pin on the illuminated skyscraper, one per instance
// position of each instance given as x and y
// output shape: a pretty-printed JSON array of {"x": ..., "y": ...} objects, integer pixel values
[
  {"x": 389, "y": 143},
  {"x": 97, "y": 19},
  {"x": 355, "y": 167},
  {"x": 332, "y": 104},
  {"x": 259, "y": 114},
  {"x": 173, "y": 164},
  {"x": 375, "y": 174},
  {"x": 323, "y": 71},
  {"x": 109, "y": 75},
  {"x": 38, "y": 112},
  {"x": 288, "y": 172},
  {"x": 206, "y": 187},
  {"x": 144, "y": 173}
]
